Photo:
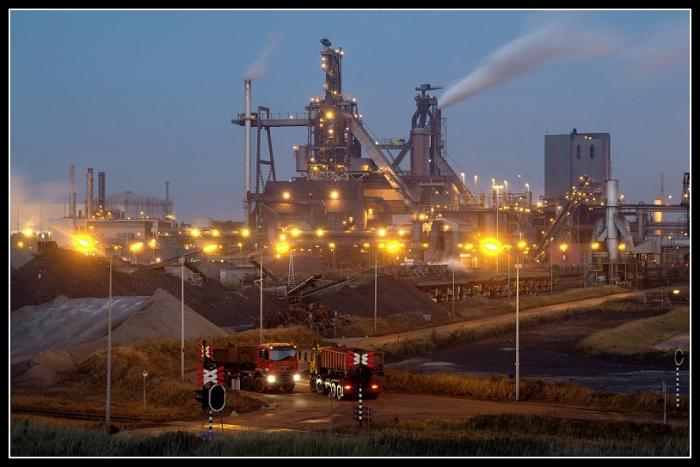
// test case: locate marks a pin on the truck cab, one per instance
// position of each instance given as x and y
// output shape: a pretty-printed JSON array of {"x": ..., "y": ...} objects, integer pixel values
[{"x": 276, "y": 367}]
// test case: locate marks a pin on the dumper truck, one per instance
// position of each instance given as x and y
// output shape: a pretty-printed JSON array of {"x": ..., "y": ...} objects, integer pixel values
[
  {"x": 340, "y": 371},
  {"x": 267, "y": 367}
]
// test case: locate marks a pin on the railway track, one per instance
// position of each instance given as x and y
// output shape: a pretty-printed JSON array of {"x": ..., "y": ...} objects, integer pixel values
[{"x": 85, "y": 416}]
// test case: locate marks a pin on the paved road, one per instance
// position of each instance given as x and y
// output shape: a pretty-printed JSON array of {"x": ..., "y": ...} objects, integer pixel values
[
  {"x": 307, "y": 411},
  {"x": 379, "y": 341}
]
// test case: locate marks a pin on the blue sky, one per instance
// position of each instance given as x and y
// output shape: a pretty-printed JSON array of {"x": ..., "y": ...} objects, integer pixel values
[{"x": 148, "y": 96}]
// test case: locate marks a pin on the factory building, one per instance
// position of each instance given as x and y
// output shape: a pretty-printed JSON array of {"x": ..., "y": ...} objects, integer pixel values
[{"x": 569, "y": 157}]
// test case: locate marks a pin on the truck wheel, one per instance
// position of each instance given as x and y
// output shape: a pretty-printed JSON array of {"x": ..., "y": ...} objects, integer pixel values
[
  {"x": 319, "y": 386},
  {"x": 246, "y": 383},
  {"x": 259, "y": 384},
  {"x": 339, "y": 391}
]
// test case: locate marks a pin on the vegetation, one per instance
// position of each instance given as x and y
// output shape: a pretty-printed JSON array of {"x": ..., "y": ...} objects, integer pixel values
[
  {"x": 503, "y": 389},
  {"x": 435, "y": 341},
  {"x": 167, "y": 395},
  {"x": 479, "y": 436},
  {"x": 638, "y": 337}
]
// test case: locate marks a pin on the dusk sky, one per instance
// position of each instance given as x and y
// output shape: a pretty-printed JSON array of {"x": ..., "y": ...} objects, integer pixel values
[{"x": 148, "y": 96}]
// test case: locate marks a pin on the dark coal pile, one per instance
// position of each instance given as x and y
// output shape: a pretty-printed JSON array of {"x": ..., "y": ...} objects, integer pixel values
[
  {"x": 64, "y": 272},
  {"x": 393, "y": 296}
]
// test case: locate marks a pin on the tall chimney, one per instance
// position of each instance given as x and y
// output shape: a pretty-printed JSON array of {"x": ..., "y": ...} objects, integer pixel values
[
  {"x": 246, "y": 148},
  {"x": 610, "y": 213},
  {"x": 167, "y": 191},
  {"x": 71, "y": 191},
  {"x": 89, "y": 200},
  {"x": 101, "y": 190}
]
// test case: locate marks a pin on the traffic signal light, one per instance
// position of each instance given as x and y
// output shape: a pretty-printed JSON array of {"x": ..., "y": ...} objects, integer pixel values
[
  {"x": 217, "y": 398},
  {"x": 202, "y": 396}
]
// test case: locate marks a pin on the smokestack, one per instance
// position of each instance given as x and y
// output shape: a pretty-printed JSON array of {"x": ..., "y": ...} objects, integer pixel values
[
  {"x": 246, "y": 147},
  {"x": 90, "y": 200},
  {"x": 71, "y": 191},
  {"x": 101, "y": 190},
  {"x": 611, "y": 212},
  {"x": 167, "y": 191}
]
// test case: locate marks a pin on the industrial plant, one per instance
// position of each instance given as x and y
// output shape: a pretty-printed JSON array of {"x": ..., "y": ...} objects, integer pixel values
[
  {"x": 361, "y": 202},
  {"x": 365, "y": 293}
]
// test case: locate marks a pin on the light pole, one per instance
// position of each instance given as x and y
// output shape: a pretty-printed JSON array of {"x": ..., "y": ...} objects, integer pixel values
[
  {"x": 332, "y": 247},
  {"x": 497, "y": 187},
  {"x": 453, "y": 287},
  {"x": 210, "y": 248},
  {"x": 145, "y": 375},
  {"x": 507, "y": 247},
  {"x": 376, "y": 256},
  {"x": 108, "y": 391},
  {"x": 518, "y": 265}
]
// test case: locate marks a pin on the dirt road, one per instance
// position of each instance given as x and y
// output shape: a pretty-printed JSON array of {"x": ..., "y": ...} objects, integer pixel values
[
  {"x": 379, "y": 341},
  {"x": 307, "y": 411}
]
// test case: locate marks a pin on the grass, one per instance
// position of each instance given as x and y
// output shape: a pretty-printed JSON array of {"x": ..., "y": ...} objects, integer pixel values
[
  {"x": 479, "y": 436},
  {"x": 423, "y": 346},
  {"x": 503, "y": 389},
  {"x": 638, "y": 337}
]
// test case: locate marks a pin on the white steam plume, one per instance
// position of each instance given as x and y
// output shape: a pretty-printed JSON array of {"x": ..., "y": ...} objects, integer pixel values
[
  {"x": 260, "y": 65},
  {"x": 515, "y": 58}
]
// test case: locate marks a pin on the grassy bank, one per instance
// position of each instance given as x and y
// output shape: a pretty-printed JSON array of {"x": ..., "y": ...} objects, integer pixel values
[
  {"x": 414, "y": 347},
  {"x": 503, "y": 389},
  {"x": 167, "y": 396},
  {"x": 640, "y": 336},
  {"x": 482, "y": 436}
]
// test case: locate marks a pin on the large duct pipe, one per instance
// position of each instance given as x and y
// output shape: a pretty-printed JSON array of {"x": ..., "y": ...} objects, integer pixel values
[
  {"x": 100, "y": 190},
  {"x": 641, "y": 225},
  {"x": 90, "y": 200},
  {"x": 246, "y": 148},
  {"x": 71, "y": 191},
  {"x": 611, "y": 212}
]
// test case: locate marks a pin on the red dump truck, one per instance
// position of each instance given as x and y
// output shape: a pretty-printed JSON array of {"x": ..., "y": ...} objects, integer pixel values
[
  {"x": 341, "y": 371},
  {"x": 267, "y": 367}
]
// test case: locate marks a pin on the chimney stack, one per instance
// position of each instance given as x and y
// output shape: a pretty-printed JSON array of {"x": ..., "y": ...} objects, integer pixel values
[
  {"x": 100, "y": 190},
  {"x": 89, "y": 200},
  {"x": 71, "y": 191}
]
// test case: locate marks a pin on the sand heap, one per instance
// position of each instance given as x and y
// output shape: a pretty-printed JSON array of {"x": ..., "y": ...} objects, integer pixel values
[{"x": 49, "y": 339}]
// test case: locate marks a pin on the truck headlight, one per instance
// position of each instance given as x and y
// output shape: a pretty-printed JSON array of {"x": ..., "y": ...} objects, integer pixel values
[
  {"x": 271, "y": 379},
  {"x": 296, "y": 377}
]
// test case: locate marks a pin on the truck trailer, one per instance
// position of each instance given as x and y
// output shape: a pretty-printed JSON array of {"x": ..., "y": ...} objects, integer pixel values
[
  {"x": 341, "y": 371},
  {"x": 267, "y": 367}
]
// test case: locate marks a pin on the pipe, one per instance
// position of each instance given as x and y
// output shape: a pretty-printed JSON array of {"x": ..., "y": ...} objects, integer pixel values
[
  {"x": 246, "y": 147},
  {"x": 89, "y": 201},
  {"x": 611, "y": 211}
]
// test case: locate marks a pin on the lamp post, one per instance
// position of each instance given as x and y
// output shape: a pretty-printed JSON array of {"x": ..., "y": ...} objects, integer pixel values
[
  {"x": 332, "y": 247},
  {"x": 145, "y": 375},
  {"x": 496, "y": 187},
  {"x": 210, "y": 248},
  {"x": 453, "y": 287}
]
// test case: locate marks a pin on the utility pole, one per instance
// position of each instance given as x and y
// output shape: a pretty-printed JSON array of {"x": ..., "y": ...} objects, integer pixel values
[
  {"x": 261, "y": 295},
  {"x": 453, "y": 287}
]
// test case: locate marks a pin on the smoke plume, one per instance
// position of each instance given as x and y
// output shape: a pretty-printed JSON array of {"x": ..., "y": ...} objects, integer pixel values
[
  {"x": 260, "y": 65},
  {"x": 526, "y": 52}
]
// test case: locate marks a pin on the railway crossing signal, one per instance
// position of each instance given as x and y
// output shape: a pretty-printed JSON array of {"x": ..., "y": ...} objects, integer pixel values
[
  {"x": 214, "y": 376},
  {"x": 365, "y": 359},
  {"x": 217, "y": 398}
]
